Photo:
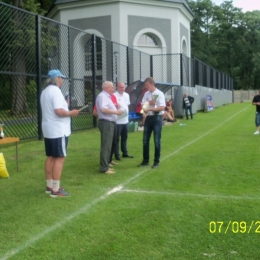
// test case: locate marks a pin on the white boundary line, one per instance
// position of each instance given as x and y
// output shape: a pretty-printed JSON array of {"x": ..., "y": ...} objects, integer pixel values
[
  {"x": 180, "y": 194},
  {"x": 84, "y": 209}
]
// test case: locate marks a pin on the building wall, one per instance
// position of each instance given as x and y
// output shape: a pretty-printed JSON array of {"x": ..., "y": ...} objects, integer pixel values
[
  {"x": 138, "y": 23},
  {"x": 127, "y": 18},
  {"x": 219, "y": 98},
  {"x": 101, "y": 24},
  {"x": 184, "y": 36}
]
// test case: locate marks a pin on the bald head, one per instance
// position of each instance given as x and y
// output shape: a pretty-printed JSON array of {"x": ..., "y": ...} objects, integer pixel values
[{"x": 120, "y": 87}]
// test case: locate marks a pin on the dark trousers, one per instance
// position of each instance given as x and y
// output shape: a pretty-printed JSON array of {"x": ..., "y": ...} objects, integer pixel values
[
  {"x": 106, "y": 129},
  {"x": 186, "y": 112},
  {"x": 121, "y": 131},
  {"x": 114, "y": 143},
  {"x": 152, "y": 124}
]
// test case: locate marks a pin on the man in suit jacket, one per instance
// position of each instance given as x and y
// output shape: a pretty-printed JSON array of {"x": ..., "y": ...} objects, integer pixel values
[{"x": 187, "y": 105}]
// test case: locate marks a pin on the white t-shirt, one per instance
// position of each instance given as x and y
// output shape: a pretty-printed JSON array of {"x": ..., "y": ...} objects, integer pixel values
[
  {"x": 160, "y": 101},
  {"x": 124, "y": 101},
  {"x": 54, "y": 126}
]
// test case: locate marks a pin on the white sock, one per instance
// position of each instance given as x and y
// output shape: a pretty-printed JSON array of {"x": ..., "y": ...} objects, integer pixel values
[
  {"x": 55, "y": 185},
  {"x": 49, "y": 183}
]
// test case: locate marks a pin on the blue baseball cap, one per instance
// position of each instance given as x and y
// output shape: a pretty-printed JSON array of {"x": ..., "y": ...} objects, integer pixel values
[{"x": 55, "y": 73}]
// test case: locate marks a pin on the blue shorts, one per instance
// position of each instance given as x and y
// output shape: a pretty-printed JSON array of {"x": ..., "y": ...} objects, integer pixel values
[
  {"x": 56, "y": 147},
  {"x": 257, "y": 119}
]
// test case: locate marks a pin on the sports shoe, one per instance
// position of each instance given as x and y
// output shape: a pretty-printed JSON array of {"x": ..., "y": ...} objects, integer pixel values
[
  {"x": 49, "y": 190},
  {"x": 59, "y": 193},
  {"x": 256, "y": 133}
]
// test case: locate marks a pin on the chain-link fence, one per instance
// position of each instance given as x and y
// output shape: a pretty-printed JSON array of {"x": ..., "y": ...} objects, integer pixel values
[
  {"x": 31, "y": 45},
  {"x": 206, "y": 76}
]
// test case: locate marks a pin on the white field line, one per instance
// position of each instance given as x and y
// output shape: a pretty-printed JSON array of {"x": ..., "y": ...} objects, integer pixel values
[
  {"x": 183, "y": 194},
  {"x": 85, "y": 208}
]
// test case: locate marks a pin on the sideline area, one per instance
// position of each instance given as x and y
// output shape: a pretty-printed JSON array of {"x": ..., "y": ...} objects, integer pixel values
[{"x": 132, "y": 178}]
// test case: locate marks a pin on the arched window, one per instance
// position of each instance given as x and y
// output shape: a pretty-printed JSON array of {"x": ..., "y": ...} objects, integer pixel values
[
  {"x": 147, "y": 40},
  {"x": 184, "y": 49},
  {"x": 88, "y": 54}
]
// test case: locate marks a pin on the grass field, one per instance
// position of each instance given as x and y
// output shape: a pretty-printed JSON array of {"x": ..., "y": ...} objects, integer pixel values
[{"x": 202, "y": 202}]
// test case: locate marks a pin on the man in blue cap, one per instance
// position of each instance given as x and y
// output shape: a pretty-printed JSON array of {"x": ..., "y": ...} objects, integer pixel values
[{"x": 56, "y": 129}]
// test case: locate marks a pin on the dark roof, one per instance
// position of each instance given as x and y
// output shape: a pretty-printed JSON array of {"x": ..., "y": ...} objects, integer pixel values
[
  {"x": 56, "y": 2},
  {"x": 136, "y": 91}
]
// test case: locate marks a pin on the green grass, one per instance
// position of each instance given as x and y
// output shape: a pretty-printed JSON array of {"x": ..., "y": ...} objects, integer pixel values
[{"x": 209, "y": 172}]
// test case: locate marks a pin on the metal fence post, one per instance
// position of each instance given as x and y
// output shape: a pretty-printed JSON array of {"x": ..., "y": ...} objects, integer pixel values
[
  {"x": 140, "y": 54},
  {"x": 94, "y": 83},
  {"x": 39, "y": 73},
  {"x": 112, "y": 61},
  {"x": 127, "y": 66},
  {"x": 151, "y": 66},
  {"x": 70, "y": 81},
  {"x": 181, "y": 70}
]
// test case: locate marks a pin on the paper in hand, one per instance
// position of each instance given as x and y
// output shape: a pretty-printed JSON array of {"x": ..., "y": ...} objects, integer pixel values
[
  {"x": 83, "y": 107},
  {"x": 124, "y": 114}
]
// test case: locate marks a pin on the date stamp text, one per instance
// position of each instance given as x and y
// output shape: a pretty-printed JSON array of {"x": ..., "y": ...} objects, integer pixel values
[{"x": 234, "y": 227}]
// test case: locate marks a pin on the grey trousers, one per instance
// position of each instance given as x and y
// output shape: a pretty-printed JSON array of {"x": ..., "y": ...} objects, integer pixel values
[{"x": 106, "y": 129}]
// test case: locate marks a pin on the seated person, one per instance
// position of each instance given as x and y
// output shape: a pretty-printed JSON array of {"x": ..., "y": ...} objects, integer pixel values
[
  {"x": 167, "y": 115},
  {"x": 169, "y": 109}
]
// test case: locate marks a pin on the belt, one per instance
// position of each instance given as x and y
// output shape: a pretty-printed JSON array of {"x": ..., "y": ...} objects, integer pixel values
[{"x": 105, "y": 120}]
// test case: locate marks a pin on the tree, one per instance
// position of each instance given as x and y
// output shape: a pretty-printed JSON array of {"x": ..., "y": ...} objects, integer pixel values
[
  {"x": 227, "y": 39},
  {"x": 201, "y": 30},
  {"x": 18, "y": 49},
  {"x": 18, "y": 83},
  {"x": 248, "y": 51}
]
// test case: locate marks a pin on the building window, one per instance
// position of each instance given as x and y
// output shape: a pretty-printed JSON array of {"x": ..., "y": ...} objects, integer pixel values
[
  {"x": 147, "y": 40},
  {"x": 88, "y": 54}
]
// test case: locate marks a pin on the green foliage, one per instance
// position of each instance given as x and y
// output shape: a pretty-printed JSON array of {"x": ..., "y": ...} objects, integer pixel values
[
  {"x": 228, "y": 40},
  {"x": 6, "y": 93},
  {"x": 31, "y": 96},
  {"x": 89, "y": 95},
  {"x": 35, "y": 6}
]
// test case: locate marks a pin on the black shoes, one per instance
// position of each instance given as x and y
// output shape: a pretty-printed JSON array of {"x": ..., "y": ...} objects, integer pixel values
[
  {"x": 127, "y": 156},
  {"x": 118, "y": 158},
  {"x": 143, "y": 163},
  {"x": 155, "y": 165}
]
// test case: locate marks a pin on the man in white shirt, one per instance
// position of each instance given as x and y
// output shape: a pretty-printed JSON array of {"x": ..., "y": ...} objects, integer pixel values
[
  {"x": 154, "y": 101},
  {"x": 56, "y": 129},
  {"x": 122, "y": 121},
  {"x": 107, "y": 116}
]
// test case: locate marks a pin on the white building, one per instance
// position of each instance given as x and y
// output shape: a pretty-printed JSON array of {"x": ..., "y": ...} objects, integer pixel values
[{"x": 151, "y": 26}]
